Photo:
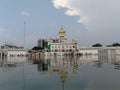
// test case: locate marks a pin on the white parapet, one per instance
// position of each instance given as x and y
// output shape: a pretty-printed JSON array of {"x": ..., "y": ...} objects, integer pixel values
[{"x": 14, "y": 52}]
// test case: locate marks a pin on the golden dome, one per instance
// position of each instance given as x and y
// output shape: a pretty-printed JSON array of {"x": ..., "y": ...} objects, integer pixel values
[{"x": 61, "y": 31}]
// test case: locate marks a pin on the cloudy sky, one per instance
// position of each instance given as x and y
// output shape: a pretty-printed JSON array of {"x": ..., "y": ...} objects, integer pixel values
[{"x": 88, "y": 21}]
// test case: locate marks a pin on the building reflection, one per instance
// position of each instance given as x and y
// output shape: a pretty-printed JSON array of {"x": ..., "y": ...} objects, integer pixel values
[
  {"x": 54, "y": 64},
  {"x": 116, "y": 62},
  {"x": 110, "y": 59},
  {"x": 67, "y": 63},
  {"x": 63, "y": 77},
  {"x": 64, "y": 66},
  {"x": 42, "y": 65},
  {"x": 99, "y": 60},
  {"x": 60, "y": 65},
  {"x": 7, "y": 63},
  {"x": 117, "y": 65},
  {"x": 98, "y": 64}
]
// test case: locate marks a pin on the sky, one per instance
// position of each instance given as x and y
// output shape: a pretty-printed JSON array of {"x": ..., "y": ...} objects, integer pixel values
[{"x": 87, "y": 21}]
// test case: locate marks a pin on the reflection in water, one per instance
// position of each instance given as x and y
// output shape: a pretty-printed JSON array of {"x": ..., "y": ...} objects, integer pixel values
[
  {"x": 8, "y": 63},
  {"x": 72, "y": 63},
  {"x": 63, "y": 76},
  {"x": 98, "y": 64},
  {"x": 117, "y": 65},
  {"x": 42, "y": 65},
  {"x": 53, "y": 64},
  {"x": 23, "y": 77},
  {"x": 60, "y": 65},
  {"x": 111, "y": 59},
  {"x": 77, "y": 72},
  {"x": 65, "y": 66}
]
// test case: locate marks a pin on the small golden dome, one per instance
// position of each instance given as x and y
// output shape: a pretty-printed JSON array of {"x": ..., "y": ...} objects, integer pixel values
[{"x": 61, "y": 31}]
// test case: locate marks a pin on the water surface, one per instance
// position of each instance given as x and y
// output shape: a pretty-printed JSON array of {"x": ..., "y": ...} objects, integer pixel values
[{"x": 60, "y": 73}]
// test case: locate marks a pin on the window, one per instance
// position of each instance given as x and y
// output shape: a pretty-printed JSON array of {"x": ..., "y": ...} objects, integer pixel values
[
  {"x": 52, "y": 46},
  {"x": 67, "y": 46}
]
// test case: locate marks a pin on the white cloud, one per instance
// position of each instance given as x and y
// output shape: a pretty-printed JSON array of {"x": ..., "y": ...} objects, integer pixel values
[
  {"x": 73, "y": 9},
  {"x": 61, "y": 3},
  {"x": 25, "y": 13},
  {"x": 101, "y": 18},
  {"x": 72, "y": 12}
]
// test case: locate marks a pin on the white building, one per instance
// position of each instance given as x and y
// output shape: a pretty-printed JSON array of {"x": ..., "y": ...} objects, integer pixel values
[
  {"x": 17, "y": 52},
  {"x": 61, "y": 46},
  {"x": 12, "y": 50},
  {"x": 89, "y": 50},
  {"x": 99, "y": 50}
]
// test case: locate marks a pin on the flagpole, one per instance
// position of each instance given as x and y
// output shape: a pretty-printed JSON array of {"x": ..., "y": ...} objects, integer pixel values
[{"x": 24, "y": 34}]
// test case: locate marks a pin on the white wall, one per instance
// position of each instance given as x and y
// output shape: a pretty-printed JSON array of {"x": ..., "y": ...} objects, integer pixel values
[
  {"x": 16, "y": 53},
  {"x": 88, "y": 51}
]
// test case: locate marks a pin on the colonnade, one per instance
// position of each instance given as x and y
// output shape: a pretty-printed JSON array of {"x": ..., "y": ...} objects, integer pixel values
[{"x": 2, "y": 54}]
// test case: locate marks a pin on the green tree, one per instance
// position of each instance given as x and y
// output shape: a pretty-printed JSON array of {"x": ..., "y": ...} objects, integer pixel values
[
  {"x": 37, "y": 48},
  {"x": 114, "y": 45},
  {"x": 97, "y": 45}
]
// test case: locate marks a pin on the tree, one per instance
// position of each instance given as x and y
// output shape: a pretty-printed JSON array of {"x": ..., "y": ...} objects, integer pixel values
[
  {"x": 97, "y": 45},
  {"x": 114, "y": 45},
  {"x": 37, "y": 48}
]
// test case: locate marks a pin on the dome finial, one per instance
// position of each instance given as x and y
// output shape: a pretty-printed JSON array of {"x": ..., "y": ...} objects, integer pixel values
[
  {"x": 62, "y": 31},
  {"x": 61, "y": 26}
]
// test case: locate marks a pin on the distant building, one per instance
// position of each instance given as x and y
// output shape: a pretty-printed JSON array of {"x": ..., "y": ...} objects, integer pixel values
[
  {"x": 12, "y": 50},
  {"x": 42, "y": 43},
  {"x": 10, "y": 46}
]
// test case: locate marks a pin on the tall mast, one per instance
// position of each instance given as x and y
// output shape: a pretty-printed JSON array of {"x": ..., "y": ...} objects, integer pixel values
[{"x": 24, "y": 34}]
